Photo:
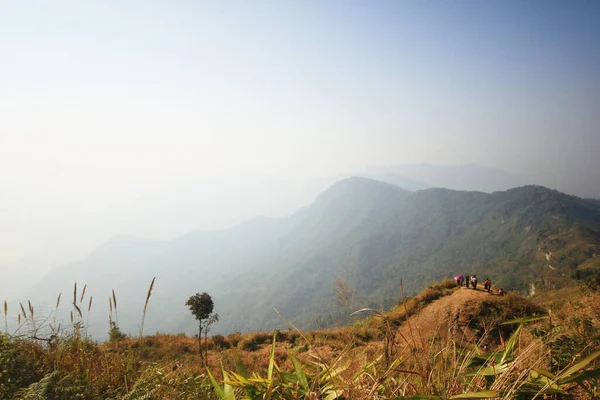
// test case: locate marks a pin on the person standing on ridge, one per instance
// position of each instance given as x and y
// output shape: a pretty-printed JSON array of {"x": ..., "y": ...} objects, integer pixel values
[
  {"x": 459, "y": 280},
  {"x": 474, "y": 282}
]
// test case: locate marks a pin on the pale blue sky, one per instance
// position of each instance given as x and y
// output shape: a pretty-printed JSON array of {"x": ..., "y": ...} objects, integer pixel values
[{"x": 103, "y": 104}]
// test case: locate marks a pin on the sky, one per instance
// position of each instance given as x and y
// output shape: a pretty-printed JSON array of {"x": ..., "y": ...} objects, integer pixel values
[{"x": 158, "y": 118}]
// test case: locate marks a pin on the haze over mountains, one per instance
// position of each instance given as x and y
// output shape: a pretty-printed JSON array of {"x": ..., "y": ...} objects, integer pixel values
[
  {"x": 370, "y": 233},
  {"x": 141, "y": 139},
  {"x": 459, "y": 177},
  {"x": 172, "y": 210}
]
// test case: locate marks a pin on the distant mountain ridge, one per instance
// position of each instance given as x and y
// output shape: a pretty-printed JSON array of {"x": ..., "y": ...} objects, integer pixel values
[
  {"x": 471, "y": 177},
  {"x": 474, "y": 177},
  {"x": 370, "y": 233}
]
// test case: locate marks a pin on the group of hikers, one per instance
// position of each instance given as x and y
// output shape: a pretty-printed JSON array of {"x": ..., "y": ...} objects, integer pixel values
[{"x": 472, "y": 280}]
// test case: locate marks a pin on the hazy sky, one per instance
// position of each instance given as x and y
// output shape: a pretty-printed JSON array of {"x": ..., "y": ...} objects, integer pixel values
[{"x": 155, "y": 118}]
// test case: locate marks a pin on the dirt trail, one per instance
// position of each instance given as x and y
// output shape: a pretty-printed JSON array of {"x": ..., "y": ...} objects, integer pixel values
[{"x": 442, "y": 315}]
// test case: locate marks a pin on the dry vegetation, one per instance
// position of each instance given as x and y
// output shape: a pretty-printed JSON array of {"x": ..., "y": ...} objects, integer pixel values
[{"x": 444, "y": 343}]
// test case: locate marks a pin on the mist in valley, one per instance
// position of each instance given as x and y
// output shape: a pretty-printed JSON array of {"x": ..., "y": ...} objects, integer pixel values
[{"x": 259, "y": 151}]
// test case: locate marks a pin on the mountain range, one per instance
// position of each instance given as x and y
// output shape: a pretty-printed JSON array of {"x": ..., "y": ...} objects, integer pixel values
[
  {"x": 372, "y": 234},
  {"x": 470, "y": 177}
]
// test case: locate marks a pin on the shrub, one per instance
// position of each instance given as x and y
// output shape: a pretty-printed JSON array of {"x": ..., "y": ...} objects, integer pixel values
[
  {"x": 115, "y": 334},
  {"x": 488, "y": 313},
  {"x": 18, "y": 366},
  {"x": 220, "y": 342},
  {"x": 365, "y": 333},
  {"x": 234, "y": 338},
  {"x": 248, "y": 344},
  {"x": 593, "y": 282},
  {"x": 262, "y": 338}
]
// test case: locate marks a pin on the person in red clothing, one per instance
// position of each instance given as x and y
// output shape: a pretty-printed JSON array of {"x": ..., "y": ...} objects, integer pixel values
[{"x": 487, "y": 284}]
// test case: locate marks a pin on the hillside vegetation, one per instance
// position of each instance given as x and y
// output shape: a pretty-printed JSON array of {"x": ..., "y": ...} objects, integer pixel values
[
  {"x": 371, "y": 234},
  {"x": 446, "y": 342}
]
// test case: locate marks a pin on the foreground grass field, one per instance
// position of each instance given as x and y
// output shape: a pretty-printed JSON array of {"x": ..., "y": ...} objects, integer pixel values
[{"x": 444, "y": 343}]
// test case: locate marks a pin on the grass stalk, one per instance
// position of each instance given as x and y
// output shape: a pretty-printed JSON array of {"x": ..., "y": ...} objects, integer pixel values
[
  {"x": 146, "y": 306},
  {"x": 6, "y": 316}
]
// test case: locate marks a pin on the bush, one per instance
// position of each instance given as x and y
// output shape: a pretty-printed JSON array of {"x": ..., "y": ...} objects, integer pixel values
[
  {"x": 494, "y": 310},
  {"x": 365, "y": 334},
  {"x": 18, "y": 366},
  {"x": 234, "y": 338},
  {"x": 220, "y": 342},
  {"x": 262, "y": 338},
  {"x": 593, "y": 282},
  {"x": 115, "y": 334},
  {"x": 248, "y": 344}
]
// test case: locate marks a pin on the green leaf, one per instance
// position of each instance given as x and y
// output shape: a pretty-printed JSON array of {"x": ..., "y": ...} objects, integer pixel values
[
  {"x": 419, "y": 397},
  {"x": 582, "y": 377},
  {"x": 271, "y": 360},
  {"x": 510, "y": 344},
  {"x": 239, "y": 364},
  {"x": 227, "y": 388},
  {"x": 300, "y": 373},
  {"x": 490, "y": 371},
  {"x": 332, "y": 373},
  {"x": 580, "y": 365},
  {"x": 237, "y": 379},
  {"x": 545, "y": 373},
  {"x": 229, "y": 393},
  {"x": 333, "y": 395},
  {"x": 488, "y": 394},
  {"x": 524, "y": 320},
  {"x": 218, "y": 388}
]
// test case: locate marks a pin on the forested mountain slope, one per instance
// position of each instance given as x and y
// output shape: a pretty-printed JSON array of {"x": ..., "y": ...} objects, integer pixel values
[{"x": 370, "y": 233}]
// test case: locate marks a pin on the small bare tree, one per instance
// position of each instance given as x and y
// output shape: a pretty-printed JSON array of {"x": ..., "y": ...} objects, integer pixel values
[
  {"x": 206, "y": 326},
  {"x": 345, "y": 296}
]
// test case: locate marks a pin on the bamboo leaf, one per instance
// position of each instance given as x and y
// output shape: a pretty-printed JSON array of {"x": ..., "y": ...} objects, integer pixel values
[
  {"x": 300, "y": 373},
  {"x": 580, "y": 365},
  {"x": 218, "y": 388},
  {"x": 582, "y": 377},
  {"x": 229, "y": 392},
  {"x": 525, "y": 320},
  {"x": 239, "y": 364},
  {"x": 237, "y": 379},
  {"x": 490, "y": 371},
  {"x": 271, "y": 360},
  {"x": 545, "y": 373},
  {"x": 510, "y": 345},
  {"x": 488, "y": 394},
  {"x": 227, "y": 388},
  {"x": 333, "y": 395},
  {"x": 332, "y": 373}
]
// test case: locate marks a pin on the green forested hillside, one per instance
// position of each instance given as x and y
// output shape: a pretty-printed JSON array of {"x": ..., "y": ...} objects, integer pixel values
[{"x": 370, "y": 233}]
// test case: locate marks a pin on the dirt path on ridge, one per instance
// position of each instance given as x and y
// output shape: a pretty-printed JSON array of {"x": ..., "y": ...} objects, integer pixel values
[{"x": 442, "y": 315}]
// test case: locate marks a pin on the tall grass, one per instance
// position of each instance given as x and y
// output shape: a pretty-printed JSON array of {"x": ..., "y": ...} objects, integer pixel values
[
  {"x": 146, "y": 306},
  {"x": 440, "y": 363},
  {"x": 41, "y": 360},
  {"x": 441, "y": 370},
  {"x": 383, "y": 357}
]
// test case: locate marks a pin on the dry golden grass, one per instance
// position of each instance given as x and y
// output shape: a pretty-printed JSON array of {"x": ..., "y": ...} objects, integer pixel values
[{"x": 419, "y": 347}]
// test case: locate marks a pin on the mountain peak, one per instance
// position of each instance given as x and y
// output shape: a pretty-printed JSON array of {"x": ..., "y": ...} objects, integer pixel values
[{"x": 359, "y": 183}]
